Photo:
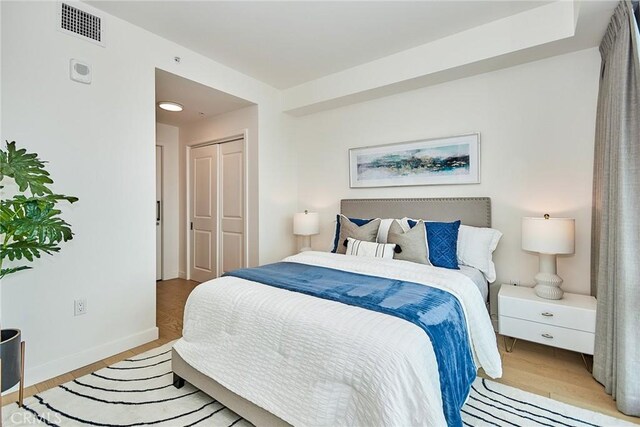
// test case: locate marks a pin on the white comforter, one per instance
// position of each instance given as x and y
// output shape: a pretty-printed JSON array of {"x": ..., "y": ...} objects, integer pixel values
[{"x": 314, "y": 362}]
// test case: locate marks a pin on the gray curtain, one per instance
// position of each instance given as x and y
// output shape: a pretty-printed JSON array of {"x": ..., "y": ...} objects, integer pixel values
[{"x": 616, "y": 213}]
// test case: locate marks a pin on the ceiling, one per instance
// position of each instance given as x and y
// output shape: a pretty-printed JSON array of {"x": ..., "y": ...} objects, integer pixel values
[
  {"x": 199, "y": 101},
  {"x": 285, "y": 44}
]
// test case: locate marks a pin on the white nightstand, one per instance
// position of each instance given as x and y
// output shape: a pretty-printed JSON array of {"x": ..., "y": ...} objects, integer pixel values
[{"x": 568, "y": 323}]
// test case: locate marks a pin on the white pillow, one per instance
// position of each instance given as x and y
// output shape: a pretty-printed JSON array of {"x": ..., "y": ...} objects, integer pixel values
[
  {"x": 369, "y": 249},
  {"x": 383, "y": 230},
  {"x": 385, "y": 225},
  {"x": 475, "y": 249}
]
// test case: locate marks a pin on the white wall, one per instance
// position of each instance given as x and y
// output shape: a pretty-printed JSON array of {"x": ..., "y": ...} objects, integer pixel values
[
  {"x": 168, "y": 138},
  {"x": 239, "y": 122},
  {"x": 537, "y": 128},
  {"x": 100, "y": 139}
]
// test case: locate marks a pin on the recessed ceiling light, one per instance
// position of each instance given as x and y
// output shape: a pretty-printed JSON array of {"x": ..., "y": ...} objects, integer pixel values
[{"x": 170, "y": 106}]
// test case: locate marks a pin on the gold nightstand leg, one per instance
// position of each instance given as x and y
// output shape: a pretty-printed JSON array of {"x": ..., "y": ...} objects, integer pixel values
[
  {"x": 586, "y": 364},
  {"x": 21, "y": 392},
  {"x": 513, "y": 344}
]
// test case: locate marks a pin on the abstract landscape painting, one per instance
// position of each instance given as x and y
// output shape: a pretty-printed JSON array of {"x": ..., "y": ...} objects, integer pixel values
[{"x": 453, "y": 160}]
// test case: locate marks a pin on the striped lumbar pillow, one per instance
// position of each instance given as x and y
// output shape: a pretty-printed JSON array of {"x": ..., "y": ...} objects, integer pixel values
[{"x": 369, "y": 249}]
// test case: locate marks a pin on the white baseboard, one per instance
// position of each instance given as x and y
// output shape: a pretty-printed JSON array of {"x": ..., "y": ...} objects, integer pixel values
[
  {"x": 66, "y": 364},
  {"x": 182, "y": 275},
  {"x": 168, "y": 275}
]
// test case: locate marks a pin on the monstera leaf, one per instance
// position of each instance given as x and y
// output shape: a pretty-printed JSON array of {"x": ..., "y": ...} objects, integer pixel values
[
  {"x": 25, "y": 168},
  {"x": 30, "y": 223}
]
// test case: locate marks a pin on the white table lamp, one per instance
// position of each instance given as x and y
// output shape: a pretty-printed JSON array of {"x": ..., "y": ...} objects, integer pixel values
[
  {"x": 549, "y": 237},
  {"x": 306, "y": 224}
]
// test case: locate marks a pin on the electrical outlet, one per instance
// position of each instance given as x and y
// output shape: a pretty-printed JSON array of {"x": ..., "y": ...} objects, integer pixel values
[
  {"x": 80, "y": 307},
  {"x": 514, "y": 282}
]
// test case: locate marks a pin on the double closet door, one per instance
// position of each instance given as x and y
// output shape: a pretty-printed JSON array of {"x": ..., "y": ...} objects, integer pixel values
[{"x": 217, "y": 209}]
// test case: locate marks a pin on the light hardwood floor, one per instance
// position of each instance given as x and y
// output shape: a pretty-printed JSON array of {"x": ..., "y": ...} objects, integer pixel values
[
  {"x": 543, "y": 370},
  {"x": 555, "y": 373}
]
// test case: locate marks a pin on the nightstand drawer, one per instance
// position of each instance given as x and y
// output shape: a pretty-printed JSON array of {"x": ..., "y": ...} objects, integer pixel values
[
  {"x": 564, "y": 313},
  {"x": 555, "y": 336}
]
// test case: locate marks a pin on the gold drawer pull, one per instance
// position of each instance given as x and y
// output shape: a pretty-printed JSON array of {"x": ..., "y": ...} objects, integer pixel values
[
  {"x": 547, "y": 336},
  {"x": 547, "y": 314}
]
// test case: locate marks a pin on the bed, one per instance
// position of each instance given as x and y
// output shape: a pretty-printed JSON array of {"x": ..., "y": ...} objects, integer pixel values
[{"x": 278, "y": 357}]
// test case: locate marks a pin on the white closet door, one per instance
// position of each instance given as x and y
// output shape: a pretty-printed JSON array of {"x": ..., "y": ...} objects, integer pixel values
[
  {"x": 158, "y": 213},
  {"x": 204, "y": 200},
  {"x": 232, "y": 206}
]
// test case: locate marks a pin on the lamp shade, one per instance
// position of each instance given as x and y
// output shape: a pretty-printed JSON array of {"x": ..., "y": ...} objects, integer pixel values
[
  {"x": 306, "y": 223},
  {"x": 548, "y": 235}
]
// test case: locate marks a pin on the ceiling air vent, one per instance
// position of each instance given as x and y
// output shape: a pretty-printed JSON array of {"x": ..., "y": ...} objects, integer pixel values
[{"x": 80, "y": 23}]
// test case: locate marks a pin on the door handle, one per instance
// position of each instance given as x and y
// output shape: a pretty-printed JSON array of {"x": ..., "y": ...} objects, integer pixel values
[
  {"x": 549, "y": 336},
  {"x": 157, "y": 210},
  {"x": 547, "y": 314}
]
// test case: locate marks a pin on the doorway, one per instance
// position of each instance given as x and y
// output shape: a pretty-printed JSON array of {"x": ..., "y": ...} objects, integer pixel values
[
  {"x": 217, "y": 208},
  {"x": 225, "y": 233}
]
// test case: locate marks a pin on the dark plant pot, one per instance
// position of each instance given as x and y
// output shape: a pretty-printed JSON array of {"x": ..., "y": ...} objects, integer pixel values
[{"x": 10, "y": 354}]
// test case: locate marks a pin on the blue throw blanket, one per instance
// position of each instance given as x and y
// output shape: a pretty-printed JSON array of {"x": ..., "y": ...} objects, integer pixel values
[{"x": 435, "y": 311}]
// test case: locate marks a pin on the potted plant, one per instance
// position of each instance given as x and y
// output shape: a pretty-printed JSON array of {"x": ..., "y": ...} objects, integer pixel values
[{"x": 30, "y": 225}]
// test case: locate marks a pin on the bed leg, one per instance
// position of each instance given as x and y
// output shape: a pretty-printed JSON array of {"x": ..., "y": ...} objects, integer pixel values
[{"x": 178, "y": 382}]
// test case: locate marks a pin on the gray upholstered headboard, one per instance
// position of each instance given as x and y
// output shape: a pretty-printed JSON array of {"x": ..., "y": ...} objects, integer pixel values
[{"x": 474, "y": 211}]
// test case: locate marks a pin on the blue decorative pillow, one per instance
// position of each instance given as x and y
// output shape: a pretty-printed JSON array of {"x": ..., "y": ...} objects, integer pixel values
[
  {"x": 357, "y": 221},
  {"x": 442, "y": 239}
]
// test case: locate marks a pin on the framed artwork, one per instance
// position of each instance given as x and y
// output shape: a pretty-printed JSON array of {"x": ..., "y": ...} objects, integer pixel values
[{"x": 437, "y": 161}]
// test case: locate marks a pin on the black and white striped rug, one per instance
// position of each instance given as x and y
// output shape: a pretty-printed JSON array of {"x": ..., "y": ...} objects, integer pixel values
[
  {"x": 135, "y": 392},
  {"x": 494, "y": 404},
  {"x": 139, "y": 392}
]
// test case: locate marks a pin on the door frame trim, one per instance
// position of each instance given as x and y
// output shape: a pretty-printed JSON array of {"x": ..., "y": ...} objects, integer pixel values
[
  {"x": 243, "y": 135},
  {"x": 162, "y": 198}
]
